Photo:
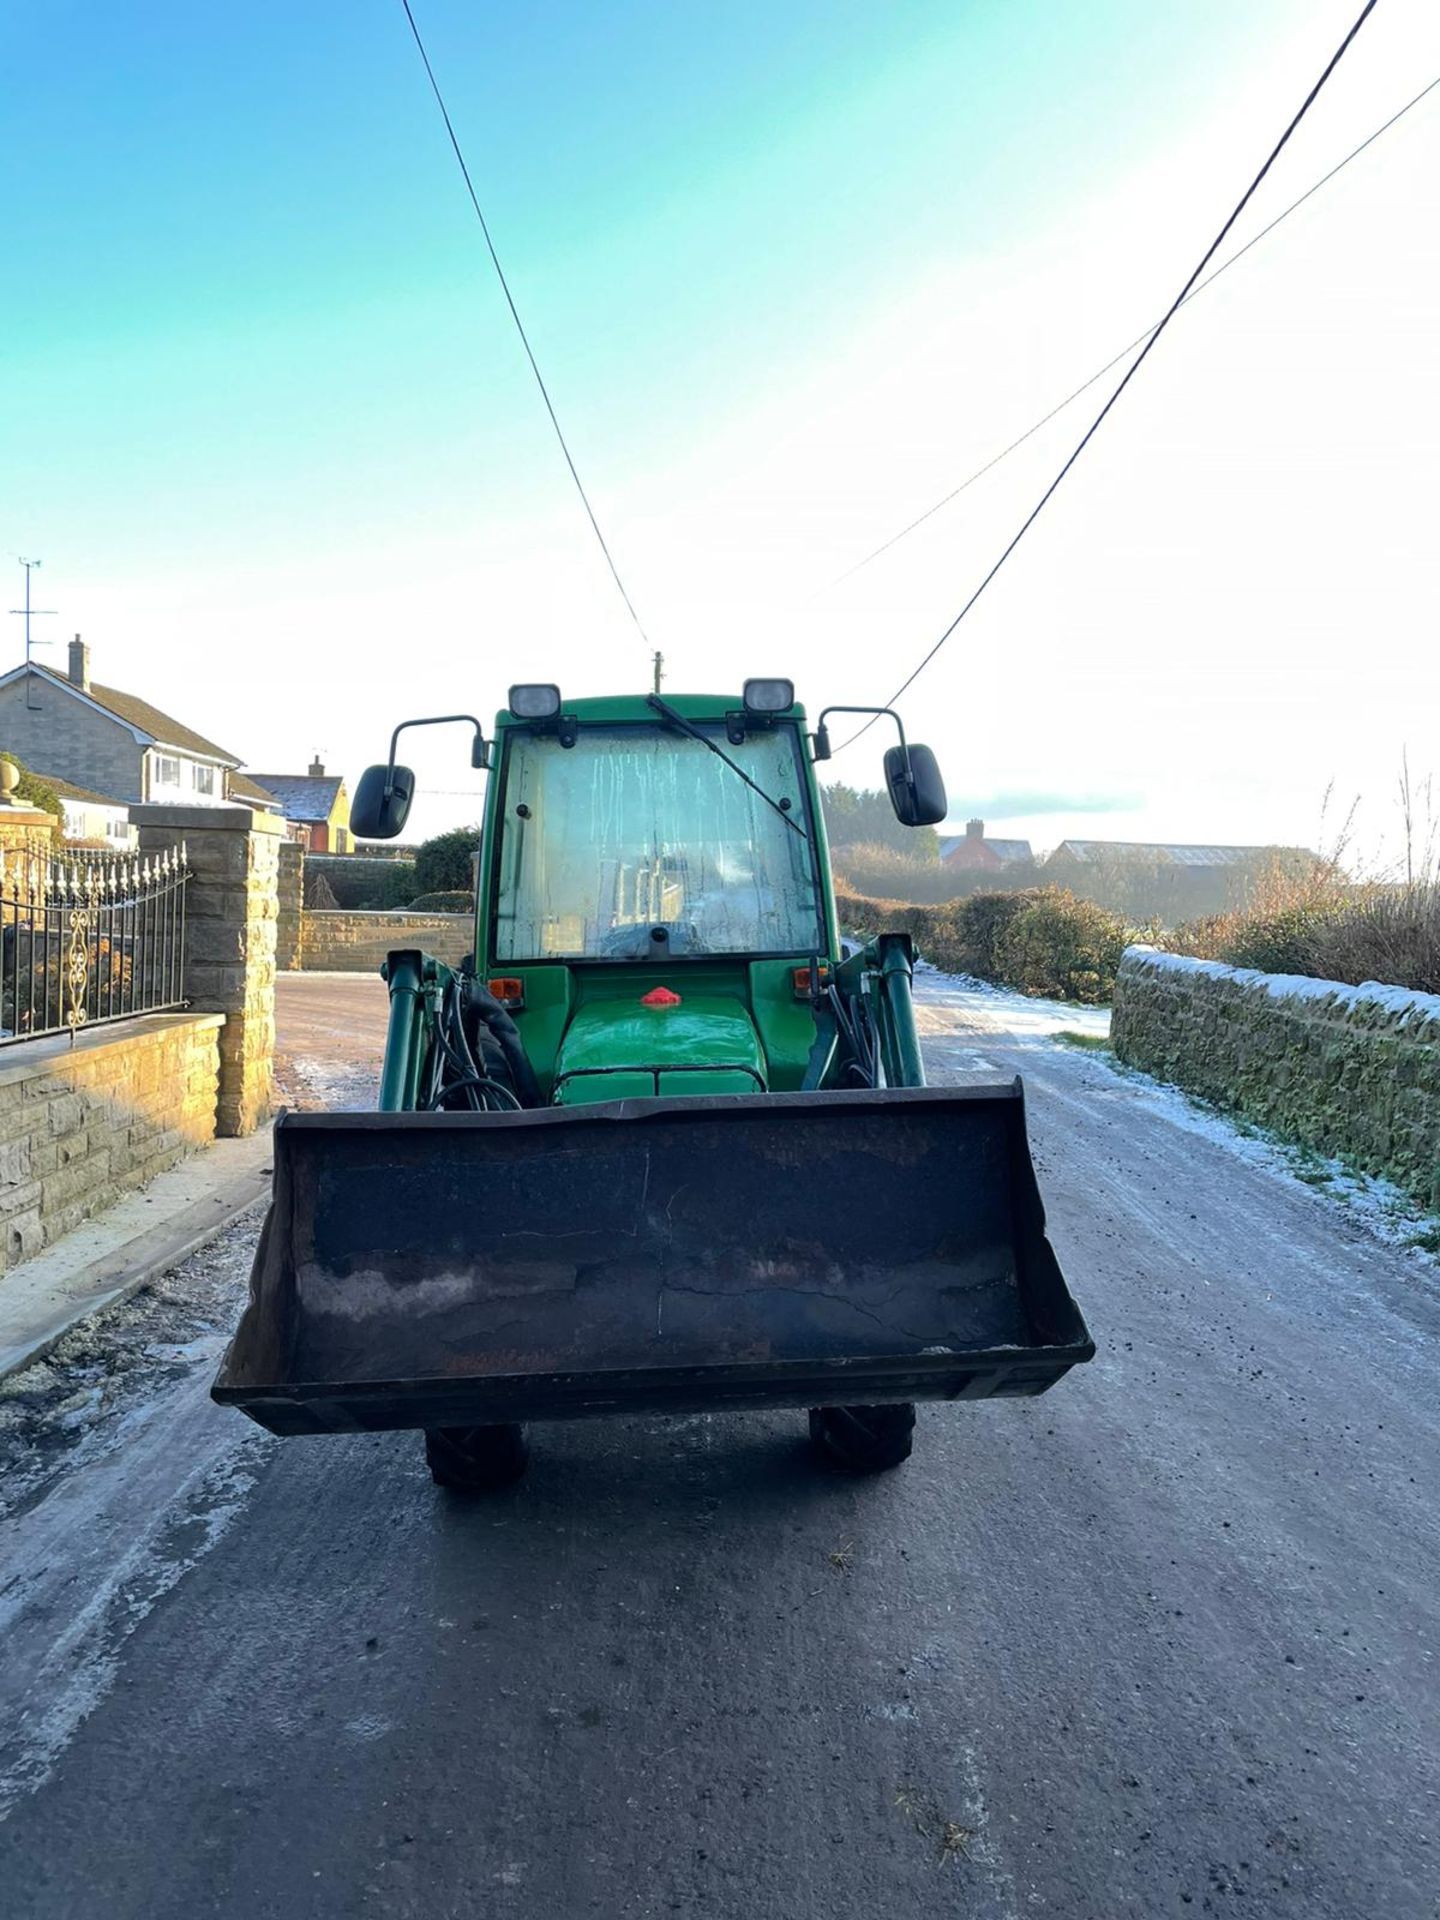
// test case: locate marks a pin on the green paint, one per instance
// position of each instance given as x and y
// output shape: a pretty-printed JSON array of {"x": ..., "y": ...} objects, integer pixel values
[
  {"x": 703, "y": 1031},
  {"x": 740, "y": 1025}
]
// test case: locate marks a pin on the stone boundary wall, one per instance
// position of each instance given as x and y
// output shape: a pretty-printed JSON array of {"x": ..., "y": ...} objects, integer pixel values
[
  {"x": 1350, "y": 1071},
  {"x": 358, "y": 942},
  {"x": 364, "y": 882},
  {"x": 80, "y": 1126},
  {"x": 289, "y": 906}
]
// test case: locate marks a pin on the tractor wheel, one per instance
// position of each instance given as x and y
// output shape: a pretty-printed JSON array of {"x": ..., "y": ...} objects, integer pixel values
[
  {"x": 864, "y": 1439},
  {"x": 476, "y": 1459}
]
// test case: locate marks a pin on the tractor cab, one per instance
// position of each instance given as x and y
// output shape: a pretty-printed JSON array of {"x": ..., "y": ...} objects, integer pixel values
[{"x": 651, "y": 879}]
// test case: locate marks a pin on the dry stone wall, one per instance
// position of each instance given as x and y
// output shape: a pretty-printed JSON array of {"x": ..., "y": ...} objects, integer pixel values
[
  {"x": 358, "y": 942},
  {"x": 81, "y": 1126},
  {"x": 1350, "y": 1071}
]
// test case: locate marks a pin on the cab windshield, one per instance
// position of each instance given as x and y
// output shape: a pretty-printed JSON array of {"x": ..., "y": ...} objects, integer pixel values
[{"x": 639, "y": 828}]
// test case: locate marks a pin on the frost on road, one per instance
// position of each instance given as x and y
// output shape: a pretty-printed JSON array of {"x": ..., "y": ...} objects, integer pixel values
[{"x": 1161, "y": 1641}]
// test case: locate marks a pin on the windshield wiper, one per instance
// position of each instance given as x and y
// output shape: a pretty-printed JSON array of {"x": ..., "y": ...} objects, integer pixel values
[{"x": 687, "y": 726}]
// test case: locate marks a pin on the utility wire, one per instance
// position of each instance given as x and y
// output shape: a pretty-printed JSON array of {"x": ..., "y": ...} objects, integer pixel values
[
  {"x": 1100, "y": 372},
  {"x": 520, "y": 326},
  {"x": 1130, "y": 372}
]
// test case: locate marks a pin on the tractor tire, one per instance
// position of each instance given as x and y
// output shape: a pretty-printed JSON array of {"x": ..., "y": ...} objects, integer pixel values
[
  {"x": 476, "y": 1459},
  {"x": 864, "y": 1439}
]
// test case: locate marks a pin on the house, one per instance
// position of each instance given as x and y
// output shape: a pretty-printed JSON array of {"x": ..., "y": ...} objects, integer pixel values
[
  {"x": 111, "y": 743},
  {"x": 972, "y": 851},
  {"x": 90, "y": 818},
  {"x": 316, "y": 807}
]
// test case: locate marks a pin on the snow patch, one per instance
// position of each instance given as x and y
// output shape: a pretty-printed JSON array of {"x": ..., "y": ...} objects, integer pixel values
[
  {"x": 1382, "y": 1207},
  {"x": 1407, "y": 1003},
  {"x": 82, "y": 1662},
  {"x": 1022, "y": 1016}
]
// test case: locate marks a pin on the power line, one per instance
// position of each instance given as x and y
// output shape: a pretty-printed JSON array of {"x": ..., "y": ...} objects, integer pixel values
[
  {"x": 520, "y": 326},
  {"x": 1115, "y": 360},
  {"x": 1131, "y": 371}
]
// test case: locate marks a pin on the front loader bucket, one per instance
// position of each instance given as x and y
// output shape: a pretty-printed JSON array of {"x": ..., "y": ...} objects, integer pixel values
[{"x": 455, "y": 1269}]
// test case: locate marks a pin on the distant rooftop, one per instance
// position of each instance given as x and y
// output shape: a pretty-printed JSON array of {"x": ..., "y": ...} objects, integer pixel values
[
  {"x": 302, "y": 797},
  {"x": 1006, "y": 850},
  {"x": 239, "y": 786},
  {"x": 977, "y": 845},
  {"x": 1160, "y": 852}
]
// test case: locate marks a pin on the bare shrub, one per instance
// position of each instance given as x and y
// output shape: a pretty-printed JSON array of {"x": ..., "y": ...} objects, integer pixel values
[
  {"x": 1388, "y": 933},
  {"x": 1323, "y": 923},
  {"x": 880, "y": 873}
]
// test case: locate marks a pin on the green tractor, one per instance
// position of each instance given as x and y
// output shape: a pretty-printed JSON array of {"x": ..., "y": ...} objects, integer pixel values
[{"x": 664, "y": 1143}]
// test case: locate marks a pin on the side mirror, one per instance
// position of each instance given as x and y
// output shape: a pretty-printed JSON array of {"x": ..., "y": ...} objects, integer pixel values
[
  {"x": 376, "y": 814},
  {"x": 919, "y": 800}
]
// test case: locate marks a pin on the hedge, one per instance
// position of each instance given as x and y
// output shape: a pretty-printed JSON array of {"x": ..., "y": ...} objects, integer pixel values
[{"x": 1042, "y": 941}]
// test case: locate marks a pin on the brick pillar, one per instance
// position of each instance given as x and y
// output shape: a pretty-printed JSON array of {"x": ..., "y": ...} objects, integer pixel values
[
  {"x": 232, "y": 907},
  {"x": 292, "y": 898}
]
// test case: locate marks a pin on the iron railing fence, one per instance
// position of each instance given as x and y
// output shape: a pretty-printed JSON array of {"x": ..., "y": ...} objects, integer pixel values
[{"x": 88, "y": 937}]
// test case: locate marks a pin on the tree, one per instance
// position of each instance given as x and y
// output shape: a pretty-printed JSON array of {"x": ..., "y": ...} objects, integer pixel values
[
  {"x": 32, "y": 789},
  {"x": 446, "y": 864},
  {"x": 862, "y": 816}
]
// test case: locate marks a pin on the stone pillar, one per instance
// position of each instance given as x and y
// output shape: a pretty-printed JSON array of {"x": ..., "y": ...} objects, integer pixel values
[
  {"x": 232, "y": 905},
  {"x": 289, "y": 926},
  {"x": 26, "y": 837}
]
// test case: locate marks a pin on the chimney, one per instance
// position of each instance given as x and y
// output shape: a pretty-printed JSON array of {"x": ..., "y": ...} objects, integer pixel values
[
  {"x": 974, "y": 829},
  {"x": 317, "y": 768},
  {"x": 79, "y": 664}
]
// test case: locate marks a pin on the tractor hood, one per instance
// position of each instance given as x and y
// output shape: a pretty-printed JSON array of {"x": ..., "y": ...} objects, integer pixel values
[{"x": 665, "y": 1042}]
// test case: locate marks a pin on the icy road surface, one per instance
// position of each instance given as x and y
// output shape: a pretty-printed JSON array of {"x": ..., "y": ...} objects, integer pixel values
[{"x": 1160, "y": 1642}]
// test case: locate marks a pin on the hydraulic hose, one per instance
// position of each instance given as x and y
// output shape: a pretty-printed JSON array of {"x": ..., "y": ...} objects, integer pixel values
[{"x": 506, "y": 1036}]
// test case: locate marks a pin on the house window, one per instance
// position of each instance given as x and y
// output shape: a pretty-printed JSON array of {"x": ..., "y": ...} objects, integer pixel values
[
  {"x": 204, "y": 779},
  {"x": 165, "y": 770}
]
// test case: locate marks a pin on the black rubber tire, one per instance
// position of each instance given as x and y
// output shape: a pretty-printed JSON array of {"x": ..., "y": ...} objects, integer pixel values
[
  {"x": 476, "y": 1459},
  {"x": 864, "y": 1439}
]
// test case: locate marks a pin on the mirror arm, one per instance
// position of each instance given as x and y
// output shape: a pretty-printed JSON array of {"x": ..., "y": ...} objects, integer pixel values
[
  {"x": 479, "y": 753},
  {"x": 821, "y": 735}
]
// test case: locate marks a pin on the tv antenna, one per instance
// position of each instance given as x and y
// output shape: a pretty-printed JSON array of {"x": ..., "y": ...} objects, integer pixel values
[{"x": 27, "y": 613}]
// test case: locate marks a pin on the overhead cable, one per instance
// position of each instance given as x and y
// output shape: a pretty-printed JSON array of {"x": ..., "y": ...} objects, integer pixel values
[
  {"x": 1130, "y": 372},
  {"x": 520, "y": 327},
  {"x": 1115, "y": 359}
]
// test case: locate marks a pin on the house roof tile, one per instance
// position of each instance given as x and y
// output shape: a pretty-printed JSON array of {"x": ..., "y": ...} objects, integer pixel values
[
  {"x": 303, "y": 796},
  {"x": 1007, "y": 851},
  {"x": 154, "y": 721},
  {"x": 67, "y": 790},
  {"x": 239, "y": 786},
  {"x": 1165, "y": 853}
]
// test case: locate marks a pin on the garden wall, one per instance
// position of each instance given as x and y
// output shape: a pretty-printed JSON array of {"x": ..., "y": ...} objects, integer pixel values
[
  {"x": 358, "y": 942},
  {"x": 1351, "y": 1071},
  {"x": 360, "y": 882},
  {"x": 80, "y": 1126}
]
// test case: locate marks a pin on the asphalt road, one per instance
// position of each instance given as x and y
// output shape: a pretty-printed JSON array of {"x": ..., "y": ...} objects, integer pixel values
[{"x": 1160, "y": 1642}]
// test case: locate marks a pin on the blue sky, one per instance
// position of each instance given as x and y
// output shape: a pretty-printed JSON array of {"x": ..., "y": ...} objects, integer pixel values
[{"x": 789, "y": 269}]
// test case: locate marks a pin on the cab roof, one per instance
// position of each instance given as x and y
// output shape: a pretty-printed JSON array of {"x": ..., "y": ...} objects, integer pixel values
[{"x": 614, "y": 708}]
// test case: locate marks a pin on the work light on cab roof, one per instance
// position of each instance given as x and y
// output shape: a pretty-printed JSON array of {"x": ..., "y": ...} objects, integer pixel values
[
  {"x": 662, "y": 1143},
  {"x": 540, "y": 701},
  {"x": 768, "y": 696}
]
